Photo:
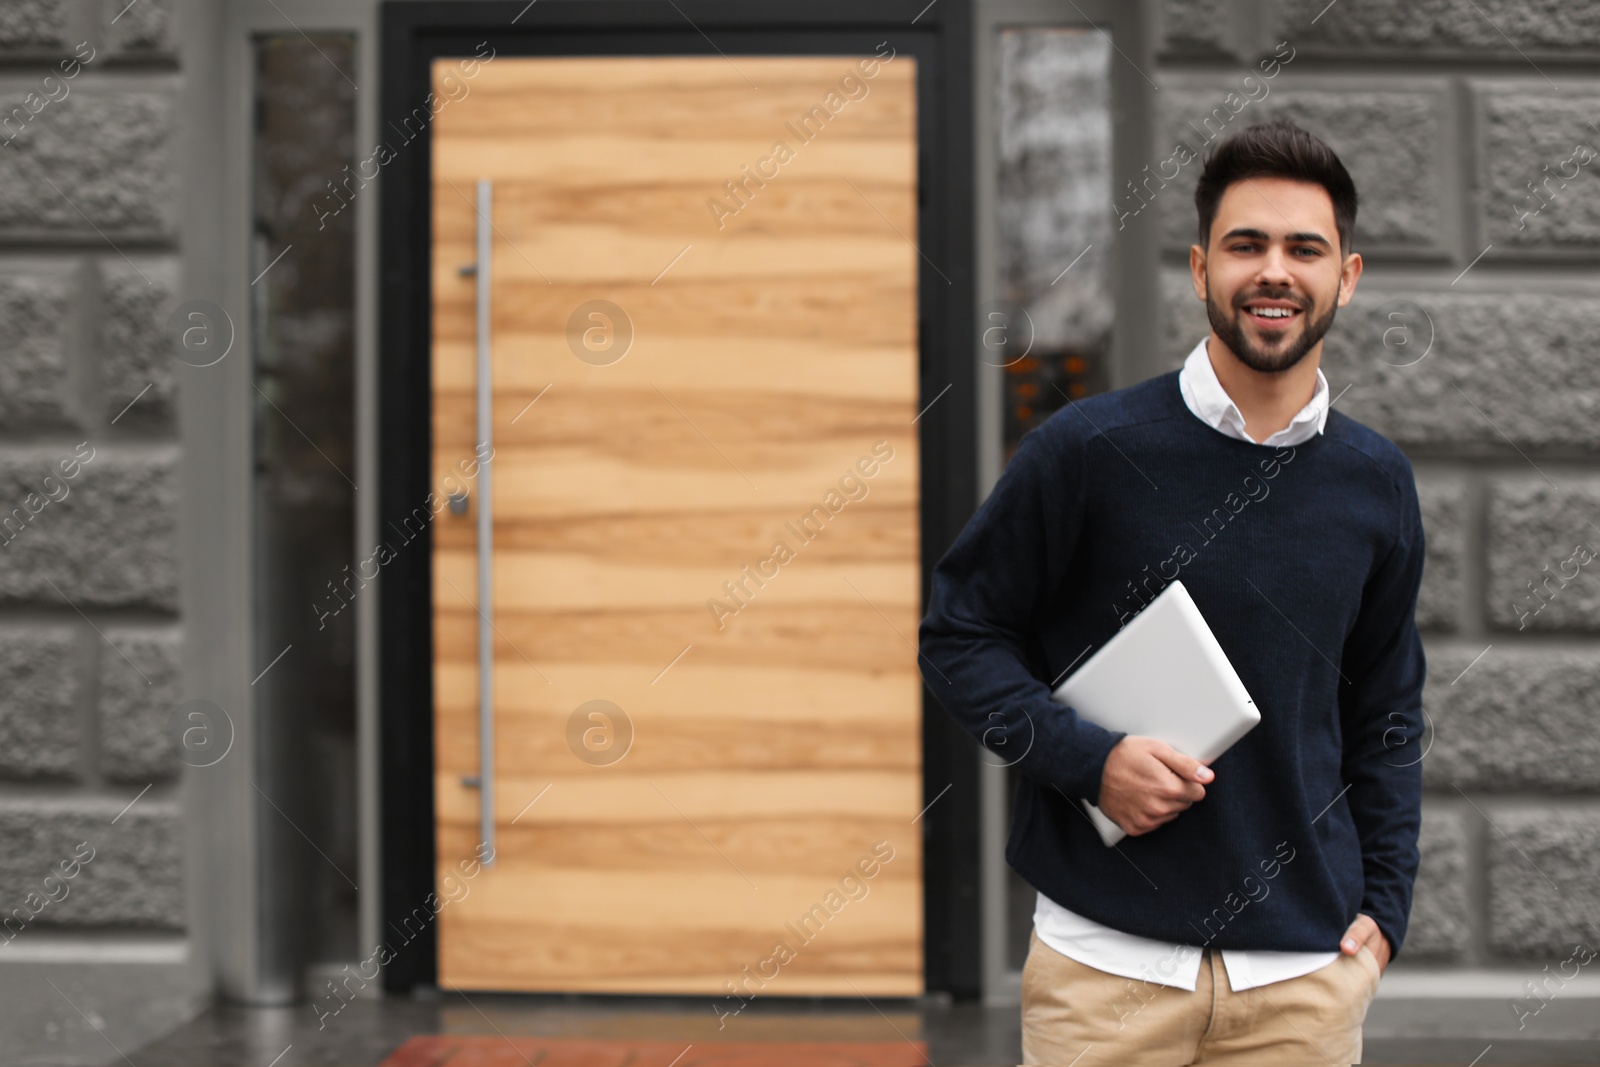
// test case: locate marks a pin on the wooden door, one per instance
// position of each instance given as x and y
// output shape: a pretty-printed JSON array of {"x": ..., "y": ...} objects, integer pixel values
[{"x": 703, "y": 394}]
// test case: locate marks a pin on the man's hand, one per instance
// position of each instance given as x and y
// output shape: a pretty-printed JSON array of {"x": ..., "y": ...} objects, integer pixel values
[
  {"x": 1364, "y": 931},
  {"x": 1147, "y": 783}
]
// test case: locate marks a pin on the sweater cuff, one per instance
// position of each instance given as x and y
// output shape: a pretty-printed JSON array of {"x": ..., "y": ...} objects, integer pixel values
[
  {"x": 1080, "y": 768},
  {"x": 1391, "y": 926}
]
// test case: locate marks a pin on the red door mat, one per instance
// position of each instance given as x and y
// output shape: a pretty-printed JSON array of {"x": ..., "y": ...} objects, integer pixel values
[{"x": 441, "y": 1050}]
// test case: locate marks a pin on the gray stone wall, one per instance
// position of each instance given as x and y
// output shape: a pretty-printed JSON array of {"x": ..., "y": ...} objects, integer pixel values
[
  {"x": 1472, "y": 129},
  {"x": 90, "y": 637}
]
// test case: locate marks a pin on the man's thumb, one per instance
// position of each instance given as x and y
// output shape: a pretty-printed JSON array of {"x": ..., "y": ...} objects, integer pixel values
[{"x": 1185, "y": 766}]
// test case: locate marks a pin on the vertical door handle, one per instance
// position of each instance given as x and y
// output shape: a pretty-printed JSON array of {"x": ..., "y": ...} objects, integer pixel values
[{"x": 485, "y": 530}]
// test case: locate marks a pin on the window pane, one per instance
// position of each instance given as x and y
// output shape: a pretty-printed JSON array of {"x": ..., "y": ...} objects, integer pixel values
[
  {"x": 1054, "y": 218},
  {"x": 303, "y": 325}
]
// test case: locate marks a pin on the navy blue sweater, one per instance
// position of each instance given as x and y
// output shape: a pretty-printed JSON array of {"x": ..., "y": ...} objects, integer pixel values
[{"x": 1305, "y": 561}]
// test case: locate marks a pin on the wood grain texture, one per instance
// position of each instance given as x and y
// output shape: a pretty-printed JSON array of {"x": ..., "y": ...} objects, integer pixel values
[{"x": 754, "y": 449}]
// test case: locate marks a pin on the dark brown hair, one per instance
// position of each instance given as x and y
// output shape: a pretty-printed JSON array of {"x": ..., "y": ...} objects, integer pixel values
[{"x": 1276, "y": 149}]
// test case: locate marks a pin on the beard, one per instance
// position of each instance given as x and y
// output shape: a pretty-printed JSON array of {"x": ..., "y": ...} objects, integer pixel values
[{"x": 1282, "y": 354}]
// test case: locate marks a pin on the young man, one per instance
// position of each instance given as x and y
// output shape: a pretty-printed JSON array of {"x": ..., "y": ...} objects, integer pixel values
[{"x": 1249, "y": 914}]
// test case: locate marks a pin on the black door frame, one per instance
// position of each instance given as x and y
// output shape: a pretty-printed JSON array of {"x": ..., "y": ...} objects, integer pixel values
[{"x": 413, "y": 33}]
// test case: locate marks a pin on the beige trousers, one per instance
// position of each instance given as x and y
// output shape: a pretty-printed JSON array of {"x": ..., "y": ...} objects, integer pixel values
[{"x": 1076, "y": 1014}]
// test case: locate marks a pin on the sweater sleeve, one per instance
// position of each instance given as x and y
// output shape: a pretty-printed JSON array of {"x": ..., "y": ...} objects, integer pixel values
[
  {"x": 1381, "y": 717},
  {"x": 988, "y": 593}
]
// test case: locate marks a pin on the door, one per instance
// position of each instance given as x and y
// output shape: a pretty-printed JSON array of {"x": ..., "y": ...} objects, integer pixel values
[{"x": 695, "y": 288}]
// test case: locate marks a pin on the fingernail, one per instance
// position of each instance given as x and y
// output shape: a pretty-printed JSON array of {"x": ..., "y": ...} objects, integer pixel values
[
  {"x": 1349, "y": 943},
  {"x": 1205, "y": 774}
]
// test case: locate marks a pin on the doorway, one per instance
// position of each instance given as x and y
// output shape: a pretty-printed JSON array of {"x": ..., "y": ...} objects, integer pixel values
[{"x": 658, "y": 505}]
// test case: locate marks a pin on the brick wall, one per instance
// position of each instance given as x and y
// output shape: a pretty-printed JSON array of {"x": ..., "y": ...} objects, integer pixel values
[
  {"x": 1444, "y": 111},
  {"x": 90, "y": 636}
]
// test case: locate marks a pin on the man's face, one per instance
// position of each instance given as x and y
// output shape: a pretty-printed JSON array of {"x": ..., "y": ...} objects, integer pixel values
[{"x": 1273, "y": 274}]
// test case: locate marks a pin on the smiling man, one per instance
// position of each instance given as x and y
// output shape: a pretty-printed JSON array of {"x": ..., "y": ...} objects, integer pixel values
[{"x": 1249, "y": 914}]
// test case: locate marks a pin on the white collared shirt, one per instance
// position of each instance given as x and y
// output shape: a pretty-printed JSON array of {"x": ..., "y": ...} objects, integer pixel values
[
  {"x": 1177, "y": 964},
  {"x": 1204, "y": 395}
]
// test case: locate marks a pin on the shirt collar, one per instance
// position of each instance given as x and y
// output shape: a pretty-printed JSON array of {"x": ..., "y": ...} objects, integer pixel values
[{"x": 1208, "y": 400}]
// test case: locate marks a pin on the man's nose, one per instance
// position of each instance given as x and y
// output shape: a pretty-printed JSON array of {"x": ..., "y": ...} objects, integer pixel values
[{"x": 1275, "y": 270}]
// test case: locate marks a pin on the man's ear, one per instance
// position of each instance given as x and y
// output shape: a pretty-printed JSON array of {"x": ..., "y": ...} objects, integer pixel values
[
  {"x": 1197, "y": 271},
  {"x": 1349, "y": 274}
]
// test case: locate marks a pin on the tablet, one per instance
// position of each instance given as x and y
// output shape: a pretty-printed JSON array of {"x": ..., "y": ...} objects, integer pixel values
[{"x": 1163, "y": 675}]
